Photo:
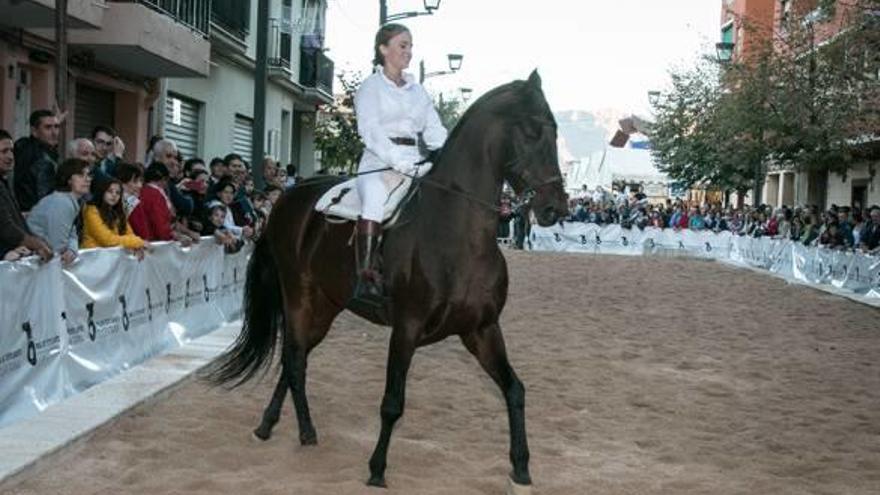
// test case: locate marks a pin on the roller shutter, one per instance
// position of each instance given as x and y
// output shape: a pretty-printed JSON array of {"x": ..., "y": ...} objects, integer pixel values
[
  {"x": 243, "y": 137},
  {"x": 93, "y": 107},
  {"x": 183, "y": 124}
]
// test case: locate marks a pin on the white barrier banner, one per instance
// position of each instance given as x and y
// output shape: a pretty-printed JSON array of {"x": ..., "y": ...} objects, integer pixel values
[
  {"x": 105, "y": 313},
  {"x": 32, "y": 342},
  {"x": 853, "y": 272}
]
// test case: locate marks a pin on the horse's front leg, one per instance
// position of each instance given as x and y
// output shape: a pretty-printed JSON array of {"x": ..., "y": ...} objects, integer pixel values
[
  {"x": 487, "y": 345},
  {"x": 400, "y": 356}
]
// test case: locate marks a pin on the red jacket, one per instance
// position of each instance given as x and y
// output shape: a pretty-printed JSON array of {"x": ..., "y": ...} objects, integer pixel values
[{"x": 151, "y": 219}]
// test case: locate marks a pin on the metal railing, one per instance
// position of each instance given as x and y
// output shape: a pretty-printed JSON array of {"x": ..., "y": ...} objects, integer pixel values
[
  {"x": 316, "y": 70},
  {"x": 232, "y": 15},
  {"x": 279, "y": 44},
  {"x": 196, "y": 14}
]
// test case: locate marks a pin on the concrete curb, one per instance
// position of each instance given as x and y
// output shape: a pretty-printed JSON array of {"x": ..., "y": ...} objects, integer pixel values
[{"x": 26, "y": 443}]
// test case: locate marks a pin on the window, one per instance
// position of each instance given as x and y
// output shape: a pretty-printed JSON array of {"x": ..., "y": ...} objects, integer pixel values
[{"x": 785, "y": 13}]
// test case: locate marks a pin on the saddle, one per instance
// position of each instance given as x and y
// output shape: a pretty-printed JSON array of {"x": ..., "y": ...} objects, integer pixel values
[{"x": 342, "y": 203}]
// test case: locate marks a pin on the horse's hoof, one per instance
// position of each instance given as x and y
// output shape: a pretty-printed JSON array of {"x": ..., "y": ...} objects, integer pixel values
[
  {"x": 262, "y": 434},
  {"x": 377, "y": 481},
  {"x": 514, "y": 488},
  {"x": 310, "y": 438}
]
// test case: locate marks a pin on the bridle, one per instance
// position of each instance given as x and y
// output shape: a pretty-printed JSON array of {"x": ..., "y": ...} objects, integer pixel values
[{"x": 515, "y": 167}]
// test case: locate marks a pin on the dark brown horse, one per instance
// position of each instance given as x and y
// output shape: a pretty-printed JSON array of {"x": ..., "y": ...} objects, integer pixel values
[{"x": 443, "y": 269}]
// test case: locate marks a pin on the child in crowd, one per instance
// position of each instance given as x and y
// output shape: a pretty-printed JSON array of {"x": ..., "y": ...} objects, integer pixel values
[
  {"x": 215, "y": 225},
  {"x": 104, "y": 221}
]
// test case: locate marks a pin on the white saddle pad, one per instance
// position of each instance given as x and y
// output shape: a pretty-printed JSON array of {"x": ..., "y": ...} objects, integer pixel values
[{"x": 349, "y": 206}]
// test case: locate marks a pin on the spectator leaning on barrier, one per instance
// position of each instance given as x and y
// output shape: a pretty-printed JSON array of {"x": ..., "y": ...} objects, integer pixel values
[
  {"x": 104, "y": 220},
  {"x": 215, "y": 226},
  {"x": 56, "y": 217},
  {"x": 16, "y": 239},
  {"x": 226, "y": 193},
  {"x": 36, "y": 157},
  {"x": 870, "y": 237},
  {"x": 109, "y": 149},
  {"x": 152, "y": 219},
  {"x": 131, "y": 175}
]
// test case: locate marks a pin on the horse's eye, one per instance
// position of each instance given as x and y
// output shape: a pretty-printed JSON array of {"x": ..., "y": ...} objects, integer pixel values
[{"x": 531, "y": 131}]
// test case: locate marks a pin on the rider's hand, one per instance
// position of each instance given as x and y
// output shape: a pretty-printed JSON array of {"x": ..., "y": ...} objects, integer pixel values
[{"x": 407, "y": 168}]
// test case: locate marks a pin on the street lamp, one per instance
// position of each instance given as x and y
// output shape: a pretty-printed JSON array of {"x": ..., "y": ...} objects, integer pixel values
[
  {"x": 465, "y": 94},
  {"x": 724, "y": 51},
  {"x": 429, "y": 5},
  {"x": 653, "y": 97},
  {"x": 455, "y": 60}
]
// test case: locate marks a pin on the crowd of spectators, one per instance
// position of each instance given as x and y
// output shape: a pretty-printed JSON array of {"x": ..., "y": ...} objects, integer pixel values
[
  {"x": 95, "y": 198},
  {"x": 838, "y": 227}
]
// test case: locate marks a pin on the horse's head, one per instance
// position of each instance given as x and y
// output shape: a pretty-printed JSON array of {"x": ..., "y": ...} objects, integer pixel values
[{"x": 533, "y": 170}]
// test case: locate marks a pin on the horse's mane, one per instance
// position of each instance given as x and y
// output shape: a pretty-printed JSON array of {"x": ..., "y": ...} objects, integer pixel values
[{"x": 486, "y": 102}]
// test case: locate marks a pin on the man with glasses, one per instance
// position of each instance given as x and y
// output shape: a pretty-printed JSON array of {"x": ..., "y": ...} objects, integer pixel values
[{"x": 109, "y": 149}]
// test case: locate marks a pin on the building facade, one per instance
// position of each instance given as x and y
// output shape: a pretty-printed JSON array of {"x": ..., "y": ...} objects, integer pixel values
[
  {"x": 788, "y": 185},
  {"x": 183, "y": 69},
  {"x": 214, "y": 116}
]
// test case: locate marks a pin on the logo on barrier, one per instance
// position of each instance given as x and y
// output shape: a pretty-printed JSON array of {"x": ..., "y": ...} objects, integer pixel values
[
  {"x": 235, "y": 275},
  {"x": 149, "y": 305},
  {"x": 186, "y": 295},
  {"x": 167, "y": 298},
  {"x": 708, "y": 247},
  {"x": 93, "y": 329},
  {"x": 207, "y": 290},
  {"x": 126, "y": 322},
  {"x": 598, "y": 239},
  {"x": 651, "y": 243},
  {"x": 557, "y": 237},
  {"x": 31, "y": 347},
  {"x": 624, "y": 241},
  {"x": 583, "y": 239}
]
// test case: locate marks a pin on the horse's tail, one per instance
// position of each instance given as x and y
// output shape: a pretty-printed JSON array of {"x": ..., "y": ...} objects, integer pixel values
[{"x": 254, "y": 347}]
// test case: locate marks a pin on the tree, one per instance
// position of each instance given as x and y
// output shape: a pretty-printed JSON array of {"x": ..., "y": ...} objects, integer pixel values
[
  {"x": 336, "y": 135},
  {"x": 794, "y": 103},
  {"x": 706, "y": 134},
  {"x": 450, "y": 111}
]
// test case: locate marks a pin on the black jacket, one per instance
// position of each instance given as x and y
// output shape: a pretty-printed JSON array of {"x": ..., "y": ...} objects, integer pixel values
[
  {"x": 12, "y": 225},
  {"x": 35, "y": 165}
]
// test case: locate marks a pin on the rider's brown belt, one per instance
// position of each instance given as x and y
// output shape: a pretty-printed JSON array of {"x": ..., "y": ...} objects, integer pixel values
[{"x": 403, "y": 141}]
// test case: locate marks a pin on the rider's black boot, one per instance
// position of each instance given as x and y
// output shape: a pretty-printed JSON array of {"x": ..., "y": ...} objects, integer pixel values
[{"x": 369, "y": 295}]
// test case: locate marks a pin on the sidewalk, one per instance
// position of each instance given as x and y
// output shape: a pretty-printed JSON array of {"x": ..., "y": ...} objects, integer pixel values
[{"x": 25, "y": 443}]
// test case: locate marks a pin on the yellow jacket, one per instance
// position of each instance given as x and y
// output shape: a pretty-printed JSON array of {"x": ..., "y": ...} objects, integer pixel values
[{"x": 97, "y": 234}]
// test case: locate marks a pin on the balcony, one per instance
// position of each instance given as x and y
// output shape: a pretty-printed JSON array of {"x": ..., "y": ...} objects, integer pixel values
[
  {"x": 149, "y": 38},
  {"x": 316, "y": 74},
  {"x": 230, "y": 24},
  {"x": 195, "y": 14},
  {"x": 26, "y": 14},
  {"x": 279, "y": 45}
]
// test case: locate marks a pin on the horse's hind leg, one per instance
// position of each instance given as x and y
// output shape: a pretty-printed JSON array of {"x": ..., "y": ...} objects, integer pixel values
[
  {"x": 273, "y": 410},
  {"x": 400, "y": 356},
  {"x": 307, "y": 326},
  {"x": 487, "y": 345}
]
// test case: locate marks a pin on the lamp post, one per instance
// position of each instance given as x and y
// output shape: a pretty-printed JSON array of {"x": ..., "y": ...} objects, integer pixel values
[
  {"x": 384, "y": 17},
  {"x": 455, "y": 60},
  {"x": 465, "y": 94},
  {"x": 724, "y": 52},
  {"x": 653, "y": 97}
]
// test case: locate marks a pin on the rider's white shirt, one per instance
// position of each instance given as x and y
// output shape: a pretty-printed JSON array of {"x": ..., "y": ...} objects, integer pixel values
[{"x": 385, "y": 110}]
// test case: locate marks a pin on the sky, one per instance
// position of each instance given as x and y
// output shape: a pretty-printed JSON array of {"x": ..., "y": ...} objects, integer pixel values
[{"x": 591, "y": 54}]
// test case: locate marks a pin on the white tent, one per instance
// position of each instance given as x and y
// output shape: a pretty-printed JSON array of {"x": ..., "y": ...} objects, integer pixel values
[{"x": 614, "y": 164}]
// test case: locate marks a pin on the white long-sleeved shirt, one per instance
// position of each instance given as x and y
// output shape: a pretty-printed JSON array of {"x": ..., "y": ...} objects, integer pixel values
[{"x": 385, "y": 110}]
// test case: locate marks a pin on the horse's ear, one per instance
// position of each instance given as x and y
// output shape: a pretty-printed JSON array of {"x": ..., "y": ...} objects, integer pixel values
[{"x": 535, "y": 79}]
